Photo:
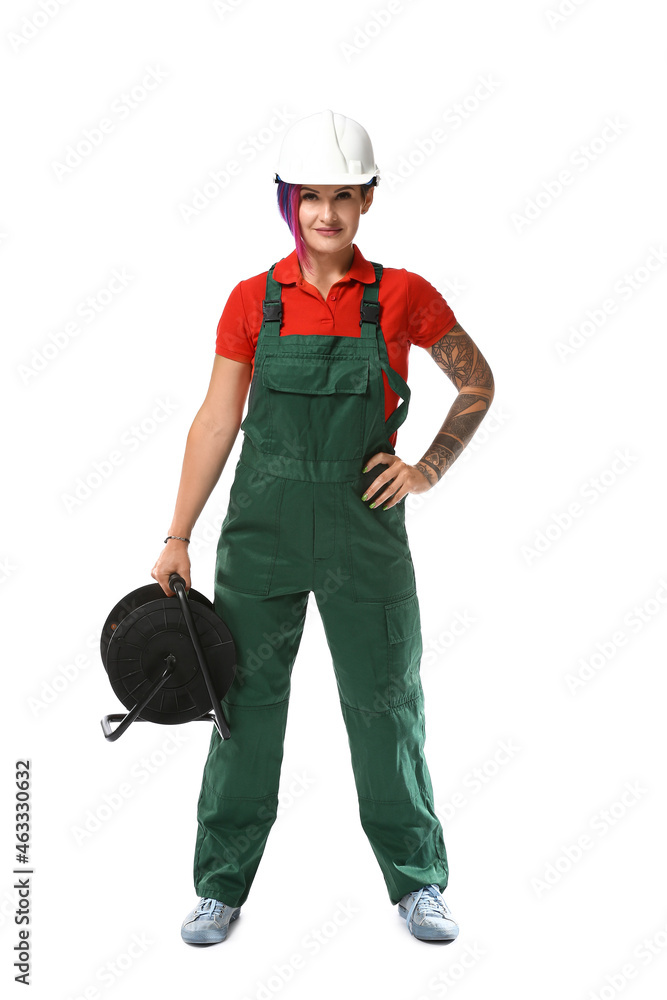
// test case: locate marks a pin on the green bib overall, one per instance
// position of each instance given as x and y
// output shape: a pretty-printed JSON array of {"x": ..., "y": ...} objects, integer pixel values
[{"x": 296, "y": 523}]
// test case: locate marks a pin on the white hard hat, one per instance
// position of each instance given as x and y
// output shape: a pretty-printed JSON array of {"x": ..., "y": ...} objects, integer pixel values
[{"x": 326, "y": 148}]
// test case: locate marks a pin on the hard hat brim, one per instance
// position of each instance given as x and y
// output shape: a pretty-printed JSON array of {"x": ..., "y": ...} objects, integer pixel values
[{"x": 329, "y": 178}]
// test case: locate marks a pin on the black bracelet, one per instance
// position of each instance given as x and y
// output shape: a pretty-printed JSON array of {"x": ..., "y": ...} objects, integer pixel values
[{"x": 180, "y": 538}]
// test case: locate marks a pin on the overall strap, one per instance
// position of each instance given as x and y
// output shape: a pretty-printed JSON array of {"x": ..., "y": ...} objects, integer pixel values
[
  {"x": 370, "y": 327},
  {"x": 272, "y": 306}
]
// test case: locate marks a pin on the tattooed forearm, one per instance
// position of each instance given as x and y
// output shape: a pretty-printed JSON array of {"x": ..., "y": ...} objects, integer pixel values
[
  {"x": 465, "y": 366},
  {"x": 463, "y": 419}
]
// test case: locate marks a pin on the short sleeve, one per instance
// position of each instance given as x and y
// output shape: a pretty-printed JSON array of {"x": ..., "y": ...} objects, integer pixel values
[
  {"x": 429, "y": 315},
  {"x": 233, "y": 338}
]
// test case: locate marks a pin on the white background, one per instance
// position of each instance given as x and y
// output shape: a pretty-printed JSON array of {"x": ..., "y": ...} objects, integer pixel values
[{"x": 520, "y": 95}]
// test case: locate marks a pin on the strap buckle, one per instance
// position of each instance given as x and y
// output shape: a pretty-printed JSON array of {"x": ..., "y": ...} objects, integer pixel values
[
  {"x": 272, "y": 311},
  {"x": 370, "y": 312}
]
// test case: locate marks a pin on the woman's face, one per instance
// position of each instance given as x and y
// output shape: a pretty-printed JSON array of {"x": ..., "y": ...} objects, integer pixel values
[{"x": 329, "y": 215}]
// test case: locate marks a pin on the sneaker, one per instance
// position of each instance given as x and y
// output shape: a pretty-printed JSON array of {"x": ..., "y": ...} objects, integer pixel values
[
  {"x": 209, "y": 922},
  {"x": 427, "y": 915}
]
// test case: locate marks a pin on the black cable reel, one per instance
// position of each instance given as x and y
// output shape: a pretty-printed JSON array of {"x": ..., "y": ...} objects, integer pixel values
[{"x": 170, "y": 660}]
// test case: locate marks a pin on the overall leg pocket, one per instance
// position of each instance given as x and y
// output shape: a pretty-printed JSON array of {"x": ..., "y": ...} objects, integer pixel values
[
  {"x": 377, "y": 549},
  {"x": 404, "y": 650},
  {"x": 248, "y": 542}
]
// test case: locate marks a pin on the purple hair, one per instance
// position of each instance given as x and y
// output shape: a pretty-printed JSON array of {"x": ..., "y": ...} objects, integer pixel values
[{"x": 288, "y": 204}]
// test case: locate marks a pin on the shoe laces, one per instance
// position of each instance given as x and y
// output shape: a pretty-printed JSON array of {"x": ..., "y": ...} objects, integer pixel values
[
  {"x": 208, "y": 907},
  {"x": 430, "y": 902}
]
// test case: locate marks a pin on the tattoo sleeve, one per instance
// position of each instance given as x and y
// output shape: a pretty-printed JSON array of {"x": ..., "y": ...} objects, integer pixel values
[{"x": 465, "y": 366}]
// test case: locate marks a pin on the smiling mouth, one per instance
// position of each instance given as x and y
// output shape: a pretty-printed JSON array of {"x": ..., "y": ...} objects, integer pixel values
[{"x": 328, "y": 230}]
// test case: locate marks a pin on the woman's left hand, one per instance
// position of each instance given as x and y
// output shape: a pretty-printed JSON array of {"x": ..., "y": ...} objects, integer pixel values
[{"x": 395, "y": 482}]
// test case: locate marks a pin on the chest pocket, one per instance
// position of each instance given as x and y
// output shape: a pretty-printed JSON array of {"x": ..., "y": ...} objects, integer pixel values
[{"x": 316, "y": 406}]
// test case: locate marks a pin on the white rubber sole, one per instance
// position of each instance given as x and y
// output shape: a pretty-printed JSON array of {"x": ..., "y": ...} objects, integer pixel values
[
  {"x": 429, "y": 933},
  {"x": 210, "y": 935}
]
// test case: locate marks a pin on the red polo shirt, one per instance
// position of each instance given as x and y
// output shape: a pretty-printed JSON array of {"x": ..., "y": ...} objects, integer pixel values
[{"x": 411, "y": 312}]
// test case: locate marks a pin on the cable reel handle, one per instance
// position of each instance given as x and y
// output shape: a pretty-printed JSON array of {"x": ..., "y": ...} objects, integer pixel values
[
  {"x": 175, "y": 579},
  {"x": 177, "y": 584}
]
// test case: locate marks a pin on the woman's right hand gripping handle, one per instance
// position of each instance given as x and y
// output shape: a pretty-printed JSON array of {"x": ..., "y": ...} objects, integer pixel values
[{"x": 174, "y": 558}]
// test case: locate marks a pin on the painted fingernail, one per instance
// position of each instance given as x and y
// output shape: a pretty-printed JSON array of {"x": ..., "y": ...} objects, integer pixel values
[
  {"x": 365, "y": 469},
  {"x": 373, "y": 504},
  {"x": 365, "y": 496}
]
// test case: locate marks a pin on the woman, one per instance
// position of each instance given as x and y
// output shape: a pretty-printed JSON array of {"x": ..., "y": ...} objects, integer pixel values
[{"x": 317, "y": 504}]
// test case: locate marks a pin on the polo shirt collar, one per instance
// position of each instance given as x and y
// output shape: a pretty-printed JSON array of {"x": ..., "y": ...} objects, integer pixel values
[{"x": 287, "y": 270}]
